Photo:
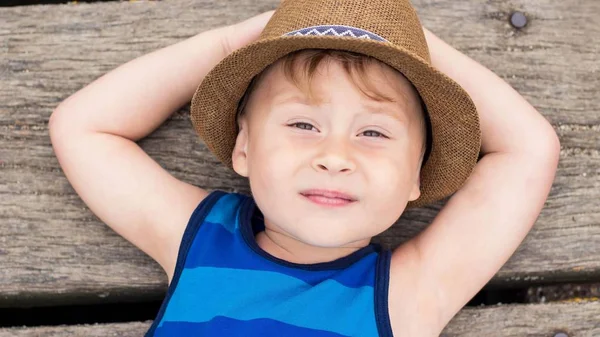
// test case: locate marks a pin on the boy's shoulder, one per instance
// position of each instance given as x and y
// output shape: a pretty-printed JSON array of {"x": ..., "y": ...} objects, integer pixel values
[{"x": 216, "y": 206}]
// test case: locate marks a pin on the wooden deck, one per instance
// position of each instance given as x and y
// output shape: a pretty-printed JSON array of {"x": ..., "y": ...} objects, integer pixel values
[
  {"x": 535, "y": 320},
  {"x": 54, "y": 251}
]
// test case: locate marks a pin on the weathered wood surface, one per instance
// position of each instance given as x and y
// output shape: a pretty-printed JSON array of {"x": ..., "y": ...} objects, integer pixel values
[
  {"x": 54, "y": 250},
  {"x": 533, "y": 320},
  {"x": 6, "y": 3},
  {"x": 136, "y": 329}
]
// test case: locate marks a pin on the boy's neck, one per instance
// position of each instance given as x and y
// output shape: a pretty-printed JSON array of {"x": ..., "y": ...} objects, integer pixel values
[{"x": 289, "y": 249}]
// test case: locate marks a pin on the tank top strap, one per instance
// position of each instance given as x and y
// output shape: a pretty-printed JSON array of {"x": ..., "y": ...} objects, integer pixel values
[
  {"x": 217, "y": 207},
  {"x": 381, "y": 291}
]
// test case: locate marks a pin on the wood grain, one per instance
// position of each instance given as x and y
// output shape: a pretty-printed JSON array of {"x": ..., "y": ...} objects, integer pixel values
[
  {"x": 531, "y": 320},
  {"x": 54, "y": 250}
]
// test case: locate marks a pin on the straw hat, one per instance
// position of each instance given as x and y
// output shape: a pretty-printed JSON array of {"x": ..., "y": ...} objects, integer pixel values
[{"x": 388, "y": 30}]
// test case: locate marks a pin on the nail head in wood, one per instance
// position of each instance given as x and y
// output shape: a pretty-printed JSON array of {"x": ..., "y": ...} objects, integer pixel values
[
  {"x": 561, "y": 334},
  {"x": 518, "y": 20}
]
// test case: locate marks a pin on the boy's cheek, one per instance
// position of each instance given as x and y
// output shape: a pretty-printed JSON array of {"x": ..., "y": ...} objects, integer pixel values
[
  {"x": 278, "y": 150},
  {"x": 273, "y": 162},
  {"x": 389, "y": 177}
]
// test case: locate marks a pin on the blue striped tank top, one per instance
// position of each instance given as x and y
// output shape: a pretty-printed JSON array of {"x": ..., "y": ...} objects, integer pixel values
[{"x": 224, "y": 284}]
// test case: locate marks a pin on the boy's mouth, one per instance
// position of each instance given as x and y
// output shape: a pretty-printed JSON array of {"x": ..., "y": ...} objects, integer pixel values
[{"x": 329, "y": 197}]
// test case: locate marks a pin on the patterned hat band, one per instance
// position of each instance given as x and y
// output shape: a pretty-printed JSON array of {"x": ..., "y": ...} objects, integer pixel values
[{"x": 336, "y": 30}]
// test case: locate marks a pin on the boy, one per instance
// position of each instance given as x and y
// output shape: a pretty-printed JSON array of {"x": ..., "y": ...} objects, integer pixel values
[{"x": 330, "y": 165}]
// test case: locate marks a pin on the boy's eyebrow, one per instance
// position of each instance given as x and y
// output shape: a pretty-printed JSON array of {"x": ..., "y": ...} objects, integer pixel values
[
  {"x": 374, "y": 107},
  {"x": 397, "y": 112}
]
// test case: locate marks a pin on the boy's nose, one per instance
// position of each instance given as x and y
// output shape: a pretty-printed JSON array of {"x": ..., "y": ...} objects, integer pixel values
[{"x": 335, "y": 157}]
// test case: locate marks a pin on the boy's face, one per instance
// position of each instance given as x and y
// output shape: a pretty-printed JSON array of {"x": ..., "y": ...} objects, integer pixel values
[{"x": 339, "y": 144}]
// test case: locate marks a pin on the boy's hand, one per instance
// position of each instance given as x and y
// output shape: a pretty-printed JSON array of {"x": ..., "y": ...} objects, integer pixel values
[{"x": 242, "y": 33}]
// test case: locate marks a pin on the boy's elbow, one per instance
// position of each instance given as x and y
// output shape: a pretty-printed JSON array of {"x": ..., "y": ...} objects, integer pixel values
[
  {"x": 550, "y": 143},
  {"x": 59, "y": 115},
  {"x": 55, "y": 120},
  {"x": 546, "y": 147},
  {"x": 59, "y": 126},
  {"x": 52, "y": 122}
]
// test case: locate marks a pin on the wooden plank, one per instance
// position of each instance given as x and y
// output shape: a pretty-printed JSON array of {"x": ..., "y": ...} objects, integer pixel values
[
  {"x": 7, "y": 3},
  {"x": 532, "y": 320},
  {"x": 88, "y": 330},
  {"x": 54, "y": 250}
]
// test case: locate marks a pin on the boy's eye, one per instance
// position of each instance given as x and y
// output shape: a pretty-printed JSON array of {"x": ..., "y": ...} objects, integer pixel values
[
  {"x": 374, "y": 134},
  {"x": 305, "y": 126}
]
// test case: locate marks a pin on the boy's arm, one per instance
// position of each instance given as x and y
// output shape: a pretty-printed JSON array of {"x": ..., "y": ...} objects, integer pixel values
[
  {"x": 94, "y": 134},
  {"x": 484, "y": 222}
]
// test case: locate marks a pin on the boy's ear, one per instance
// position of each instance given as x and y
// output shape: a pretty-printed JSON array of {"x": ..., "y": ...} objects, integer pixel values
[
  {"x": 415, "y": 192},
  {"x": 239, "y": 156}
]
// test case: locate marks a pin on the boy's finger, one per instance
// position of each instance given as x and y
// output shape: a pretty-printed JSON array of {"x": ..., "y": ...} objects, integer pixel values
[{"x": 244, "y": 32}]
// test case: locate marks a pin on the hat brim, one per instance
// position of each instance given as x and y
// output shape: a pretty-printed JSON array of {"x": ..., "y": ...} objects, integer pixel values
[{"x": 456, "y": 135}]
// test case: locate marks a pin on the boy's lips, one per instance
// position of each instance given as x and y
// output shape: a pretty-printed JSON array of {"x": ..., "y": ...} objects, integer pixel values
[{"x": 328, "y": 198}]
